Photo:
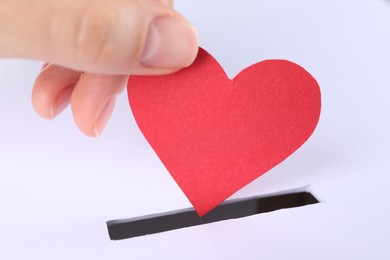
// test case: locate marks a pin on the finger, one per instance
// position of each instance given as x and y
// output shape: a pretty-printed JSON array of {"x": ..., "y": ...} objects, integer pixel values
[
  {"x": 171, "y": 3},
  {"x": 101, "y": 36},
  {"x": 93, "y": 100},
  {"x": 52, "y": 90}
]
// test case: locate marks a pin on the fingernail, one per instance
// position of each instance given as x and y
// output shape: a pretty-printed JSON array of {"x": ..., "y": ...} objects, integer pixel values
[
  {"x": 170, "y": 43},
  {"x": 61, "y": 102},
  {"x": 44, "y": 66},
  {"x": 104, "y": 116}
]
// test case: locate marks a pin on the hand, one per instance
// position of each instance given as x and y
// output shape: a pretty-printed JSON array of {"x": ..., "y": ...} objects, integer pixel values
[{"x": 90, "y": 47}]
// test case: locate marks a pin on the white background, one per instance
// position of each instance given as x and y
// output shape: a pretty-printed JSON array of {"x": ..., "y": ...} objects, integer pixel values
[{"x": 58, "y": 187}]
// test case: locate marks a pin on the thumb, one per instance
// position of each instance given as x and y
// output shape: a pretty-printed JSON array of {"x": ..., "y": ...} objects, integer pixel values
[{"x": 100, "y": 36}]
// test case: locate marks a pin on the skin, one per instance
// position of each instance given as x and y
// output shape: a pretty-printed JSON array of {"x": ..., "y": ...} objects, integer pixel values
[{"x": 90, "y": 47}]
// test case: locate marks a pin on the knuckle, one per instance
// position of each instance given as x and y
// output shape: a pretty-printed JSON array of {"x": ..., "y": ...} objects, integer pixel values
[{"x": 94, "y": 30}]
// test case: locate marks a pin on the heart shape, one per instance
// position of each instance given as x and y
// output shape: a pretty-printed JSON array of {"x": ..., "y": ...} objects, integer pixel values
[{"x": 215, "y": 135}]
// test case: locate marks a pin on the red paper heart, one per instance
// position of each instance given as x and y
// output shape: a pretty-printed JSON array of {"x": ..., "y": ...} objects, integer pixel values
[{"x": 215, "y": 135}]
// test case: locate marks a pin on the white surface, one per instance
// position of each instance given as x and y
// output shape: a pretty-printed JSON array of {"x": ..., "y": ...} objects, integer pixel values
[{"x": 58, "y": 187}]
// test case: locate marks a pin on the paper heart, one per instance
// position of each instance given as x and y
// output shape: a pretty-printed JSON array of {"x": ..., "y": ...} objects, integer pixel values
[{"x": 215, "y": 135}]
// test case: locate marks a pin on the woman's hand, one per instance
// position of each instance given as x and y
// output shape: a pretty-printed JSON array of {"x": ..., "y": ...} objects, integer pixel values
[{"x": 91, "y": 46}]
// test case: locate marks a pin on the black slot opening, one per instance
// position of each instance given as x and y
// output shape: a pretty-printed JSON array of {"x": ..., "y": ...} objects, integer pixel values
[{"x": 239, "y": 208}]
